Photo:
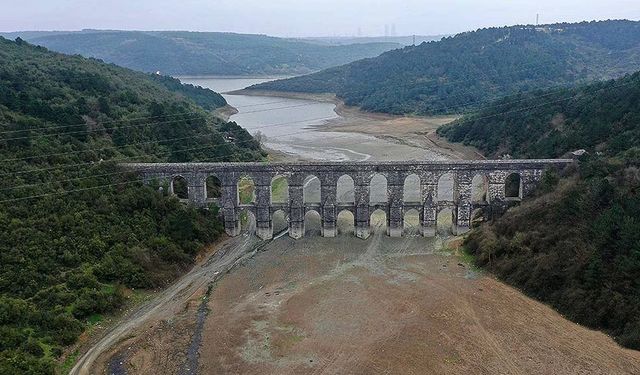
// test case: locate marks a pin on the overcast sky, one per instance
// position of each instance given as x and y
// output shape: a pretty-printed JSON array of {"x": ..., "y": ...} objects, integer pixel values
[{"x": 303, "y": 17}]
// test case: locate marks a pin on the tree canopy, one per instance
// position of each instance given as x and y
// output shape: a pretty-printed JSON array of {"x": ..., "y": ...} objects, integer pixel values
[
  {"x": 462, "y": 73},
  {"x": 77, "y": 234}
]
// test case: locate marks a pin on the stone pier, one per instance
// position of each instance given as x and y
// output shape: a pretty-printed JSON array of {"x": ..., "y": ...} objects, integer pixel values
[{"x": 494, "y": 176}]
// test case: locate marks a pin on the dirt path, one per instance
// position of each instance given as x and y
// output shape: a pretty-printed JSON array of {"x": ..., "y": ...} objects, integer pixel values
[
  {"x": 169, "y": 303},
  {"x": 388, "y": 306}
]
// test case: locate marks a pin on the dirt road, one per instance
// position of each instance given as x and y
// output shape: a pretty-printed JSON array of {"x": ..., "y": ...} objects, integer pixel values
[
  {"x": 386, "y": 306},
  {"x": 168, "y": 303}
]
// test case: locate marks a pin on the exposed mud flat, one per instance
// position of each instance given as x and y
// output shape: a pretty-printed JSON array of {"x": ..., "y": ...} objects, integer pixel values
[
  {"x": 396, "y": 306},
  {"x": 376, "y": 136}
]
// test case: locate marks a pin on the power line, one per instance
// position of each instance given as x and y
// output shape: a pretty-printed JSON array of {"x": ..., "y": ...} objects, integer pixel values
[
  {"x": 303, "y": 131},
  {"x": 131, "y": 119},
  {"x": 126, "y": 158},
  {"x": 273, "y": 125},
  {"x": 448, "y": 108},
  {"x": 152, "y": 141}
]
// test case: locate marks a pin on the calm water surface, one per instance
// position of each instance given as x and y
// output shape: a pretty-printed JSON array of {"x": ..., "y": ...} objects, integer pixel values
[{"x": 289, "y": 125}]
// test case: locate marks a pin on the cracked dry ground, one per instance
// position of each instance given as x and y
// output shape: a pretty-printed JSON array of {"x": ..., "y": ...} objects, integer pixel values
[{"x": 381, "y": 306}]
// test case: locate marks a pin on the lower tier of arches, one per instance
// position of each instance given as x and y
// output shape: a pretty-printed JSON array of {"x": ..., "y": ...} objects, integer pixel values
[{"x": 362, "y": 222}]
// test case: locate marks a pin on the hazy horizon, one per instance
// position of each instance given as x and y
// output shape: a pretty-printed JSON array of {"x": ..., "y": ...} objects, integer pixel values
[{"x": 315, "y": 18}]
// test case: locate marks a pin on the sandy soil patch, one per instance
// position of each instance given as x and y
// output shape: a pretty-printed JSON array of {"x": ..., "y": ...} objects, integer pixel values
[
  {"x": 412, "y": 131},
  {"x": 388, "y": 306}
]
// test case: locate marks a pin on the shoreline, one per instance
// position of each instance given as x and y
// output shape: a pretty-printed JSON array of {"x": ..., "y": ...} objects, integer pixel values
[
  {"x": 414, "y": 131},
  {"x": 225, "y": 113}
]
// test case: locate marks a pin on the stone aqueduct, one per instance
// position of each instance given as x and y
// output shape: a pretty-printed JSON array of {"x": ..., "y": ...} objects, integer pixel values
[{"x": 494, "y": 173}]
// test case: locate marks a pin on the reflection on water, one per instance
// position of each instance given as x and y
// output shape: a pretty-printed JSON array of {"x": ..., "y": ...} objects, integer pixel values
[{"x": 287, "y": 125}]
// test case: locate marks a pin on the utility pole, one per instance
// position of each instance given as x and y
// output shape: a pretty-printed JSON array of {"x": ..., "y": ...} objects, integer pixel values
[{"x": 537, "y": 19}]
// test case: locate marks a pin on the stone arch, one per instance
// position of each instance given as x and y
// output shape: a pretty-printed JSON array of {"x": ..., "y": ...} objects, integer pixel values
[
  {"x": 213, "y": 188},
  {"x": 345, "y": 190},
  {"x": 247, "y": 221},
  {"x": 312, "y": 223},
  {"x": 179, "y": 187},
  {"x": 312, "y": 190},
  {"x": 445, "y": 187},
  {"x": 280, "y": 221},
  {"x": 378, "y": 192},
  {"x": 480, "y": 189},
  {"x": 280, "y": 190},
  {"x": 412, "y": 191},
  {"x": 345, "y": 222},
  {"x": 246, "y": 190},
  {"x": 379, "y": 221},
  {"x": 513, "y": 186},
  {"x": 445, "y": 221},
  {"x": 412, "y": 222}
]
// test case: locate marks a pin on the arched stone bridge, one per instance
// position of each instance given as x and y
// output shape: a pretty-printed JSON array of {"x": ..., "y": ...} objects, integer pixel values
[{"x": 428, "y": 201}]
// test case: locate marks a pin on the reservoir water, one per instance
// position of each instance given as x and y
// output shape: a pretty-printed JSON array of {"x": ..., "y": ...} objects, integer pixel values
[{"x": 291, "y": 126}]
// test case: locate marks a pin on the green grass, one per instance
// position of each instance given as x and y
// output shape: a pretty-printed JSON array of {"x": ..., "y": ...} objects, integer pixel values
[
  {"x": 94, "y": 319},
  {"x": 246, "y": 191},
  {"x": 66, "y": 366},
  {"x": 280, "y": 190},
  {"x": 467, "y": 258}
]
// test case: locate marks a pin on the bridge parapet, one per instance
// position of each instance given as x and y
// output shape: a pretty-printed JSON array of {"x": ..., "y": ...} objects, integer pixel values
[{"x": 493, "y": 173}]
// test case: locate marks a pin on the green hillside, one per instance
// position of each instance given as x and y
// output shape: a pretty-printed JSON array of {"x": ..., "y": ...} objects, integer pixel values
[
  {"x": 460, "y": 73},
  {"x": 67, "y": 258},
  {"x": 604, "y": 116},
  {"x": 576, "y": 245},
  {"x": 196, "y": 53}
]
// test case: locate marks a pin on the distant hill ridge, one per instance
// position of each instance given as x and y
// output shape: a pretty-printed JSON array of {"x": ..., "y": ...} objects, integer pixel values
[
  {"x": 203, "y": 53},
  {"x": 462, "y": 72}
]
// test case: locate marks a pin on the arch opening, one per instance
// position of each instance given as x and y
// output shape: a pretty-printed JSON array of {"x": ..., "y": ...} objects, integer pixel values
[
  {"x": 513, "y": 186},
  {"x": 378, "y": 189},
  {"x": 345, "y": 190},
  {"x": 246, "y": 191},
  {"x": 412, "y": 222},
  {"x": 247, "y": 222},
  {"x": 378, "y": 221},
  {"x": 479, "y": 189},
  {"x": 213, "y": 188},
  {"x": 312, "y": 224},
  {"x": 311, "y": 190},
  {"x": 345, "y": 223},
  {"x": 279, "y": 190},
  {"x": 412, "y": 190},
  {"x": 280, "y": 221},
  {"x": 445, "y": 222},
  {"x": 180, "y": 187},
  {"x": 445, "y": 188}
]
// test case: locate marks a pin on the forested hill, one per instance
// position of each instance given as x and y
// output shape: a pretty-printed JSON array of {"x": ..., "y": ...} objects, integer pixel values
[
  {"x": 576, "y": 244},
  {"x": 464, "y": 72},
  {"x": 77, "y": 235},
  {"x": 603, "y": 117},
  {"x": 199, "y": 53}
]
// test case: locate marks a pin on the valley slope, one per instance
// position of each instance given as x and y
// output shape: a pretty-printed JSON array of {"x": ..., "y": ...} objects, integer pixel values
[
  {"x": 576, "y": 245},
  {"x": 78, "y": 234},
  {"x": 461, "y": 73},
  {"x": 205, "y": 53}
]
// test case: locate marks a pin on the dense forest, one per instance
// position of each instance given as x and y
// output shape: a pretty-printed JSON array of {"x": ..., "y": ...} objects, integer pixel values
[
  {"x": 464, "y": 72},
  {"x": 79, "y": 236},
  {"x": 600, "y": 117},
  {"x": 577, "y": 244},
  {"x": 199, "y": 53}
]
